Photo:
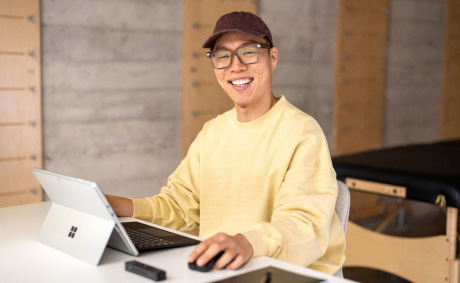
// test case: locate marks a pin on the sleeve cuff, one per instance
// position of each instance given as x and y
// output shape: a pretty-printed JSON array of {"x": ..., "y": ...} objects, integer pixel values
[
  {"x": 259, "y": 247},
  {"x": 143, "y": 209}
]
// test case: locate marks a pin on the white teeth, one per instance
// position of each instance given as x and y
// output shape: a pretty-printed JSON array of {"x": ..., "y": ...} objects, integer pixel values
[{"x": 241, "y": 82}]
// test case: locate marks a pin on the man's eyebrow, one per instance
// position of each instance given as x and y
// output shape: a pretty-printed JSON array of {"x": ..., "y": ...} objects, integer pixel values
[{"x": 222, "y": 47}]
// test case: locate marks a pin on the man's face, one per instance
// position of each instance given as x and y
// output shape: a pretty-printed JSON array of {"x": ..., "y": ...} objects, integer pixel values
[{"x": 246, "y": 85}]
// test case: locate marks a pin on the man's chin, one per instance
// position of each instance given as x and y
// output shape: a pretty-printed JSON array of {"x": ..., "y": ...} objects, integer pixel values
[{"x": 240, "y": 101}]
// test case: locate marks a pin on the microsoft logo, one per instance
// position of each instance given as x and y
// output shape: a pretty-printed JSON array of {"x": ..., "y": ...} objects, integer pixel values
[{"x": 72, "y": 232}]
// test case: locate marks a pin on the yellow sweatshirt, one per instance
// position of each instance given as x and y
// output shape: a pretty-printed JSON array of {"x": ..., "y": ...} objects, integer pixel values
[{"x": 271, "y": 180}]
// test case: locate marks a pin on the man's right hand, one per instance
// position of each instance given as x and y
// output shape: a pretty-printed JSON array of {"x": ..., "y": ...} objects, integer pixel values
[{"x": 122, "y": 206}]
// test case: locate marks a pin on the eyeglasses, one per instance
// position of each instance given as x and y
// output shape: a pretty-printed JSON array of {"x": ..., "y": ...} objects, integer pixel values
[{"x": 247, "y": 54}]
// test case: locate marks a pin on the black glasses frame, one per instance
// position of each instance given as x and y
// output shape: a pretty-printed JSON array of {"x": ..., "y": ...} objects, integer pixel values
[{"x": 258, "y": 45}]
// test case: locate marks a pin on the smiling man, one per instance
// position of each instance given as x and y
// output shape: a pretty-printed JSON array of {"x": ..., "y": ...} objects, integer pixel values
[
  {"x": 246, "y": 80},
  {"x": 258, "y": 180}
]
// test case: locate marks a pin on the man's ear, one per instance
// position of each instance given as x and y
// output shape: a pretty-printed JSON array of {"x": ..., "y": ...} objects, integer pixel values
[{"x": 274, "y": 56}]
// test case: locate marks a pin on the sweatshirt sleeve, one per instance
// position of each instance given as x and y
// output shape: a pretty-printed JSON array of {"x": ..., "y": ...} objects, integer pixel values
[
  {"x": 177, "y": 205},
  {"x": 304, "y": 210}
]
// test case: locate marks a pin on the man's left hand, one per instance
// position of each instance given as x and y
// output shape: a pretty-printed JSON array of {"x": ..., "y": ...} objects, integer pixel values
[{"x": 237, "y": 250}]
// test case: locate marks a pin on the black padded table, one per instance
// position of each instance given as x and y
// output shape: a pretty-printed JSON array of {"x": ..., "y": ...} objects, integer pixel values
[
  {"x": 422, "y": 172},
  {"x": 425, "y": 170}
]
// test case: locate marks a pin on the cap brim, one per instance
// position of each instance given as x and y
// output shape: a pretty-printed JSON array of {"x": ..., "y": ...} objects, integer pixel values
[{"x": 209, "y": 43}]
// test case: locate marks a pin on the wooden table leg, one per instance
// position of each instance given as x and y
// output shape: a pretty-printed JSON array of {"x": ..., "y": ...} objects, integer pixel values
[{"x": 451, "y": 233}]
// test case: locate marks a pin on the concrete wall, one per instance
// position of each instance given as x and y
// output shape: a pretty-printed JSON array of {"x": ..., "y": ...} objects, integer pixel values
[
  {"x": 414, "y": 71},
  {"x": 304, "y": 32},
  {"x": 112, "y": 91},
  {"x": 112, "y": 81}
]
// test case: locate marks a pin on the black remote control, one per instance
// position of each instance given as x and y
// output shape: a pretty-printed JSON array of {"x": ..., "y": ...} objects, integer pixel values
[{"x": 145, "y": 270}]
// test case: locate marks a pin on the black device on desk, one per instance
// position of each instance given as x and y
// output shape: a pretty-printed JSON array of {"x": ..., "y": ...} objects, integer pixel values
[
  {"x": 270, "y": 275},
  {"x": 208, "y": 266},
  {"x": 145, "y": 270}
]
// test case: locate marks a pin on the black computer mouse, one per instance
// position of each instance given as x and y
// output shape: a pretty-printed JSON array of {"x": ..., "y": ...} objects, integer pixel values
[{"x": 208, "y": 266}]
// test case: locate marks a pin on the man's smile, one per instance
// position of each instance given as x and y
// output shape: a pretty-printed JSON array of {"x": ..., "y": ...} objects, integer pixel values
[{"x": 241, "y": 83}]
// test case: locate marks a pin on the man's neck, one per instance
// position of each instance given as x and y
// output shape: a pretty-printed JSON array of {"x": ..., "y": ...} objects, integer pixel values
[{"x": 250, "y": 113}]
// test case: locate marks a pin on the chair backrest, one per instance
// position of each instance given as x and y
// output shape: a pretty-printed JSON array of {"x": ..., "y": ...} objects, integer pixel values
[{"x": 342, "y": 208}]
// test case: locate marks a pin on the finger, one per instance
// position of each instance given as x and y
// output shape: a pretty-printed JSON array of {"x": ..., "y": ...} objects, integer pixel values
[
  {"x": 197, "y": 251},
  {"x": 208, "y": 254},
  {"x": 238, "y": 262},
  {"x": 225, "y": 259},
  {"x": 204, "y": 253}
]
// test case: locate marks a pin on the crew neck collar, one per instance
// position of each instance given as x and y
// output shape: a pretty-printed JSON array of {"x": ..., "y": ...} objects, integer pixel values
[{"x": 257, "y": 123}]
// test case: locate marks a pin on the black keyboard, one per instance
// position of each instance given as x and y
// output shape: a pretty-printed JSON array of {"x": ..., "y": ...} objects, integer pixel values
[{"x": 144, "y": 241}]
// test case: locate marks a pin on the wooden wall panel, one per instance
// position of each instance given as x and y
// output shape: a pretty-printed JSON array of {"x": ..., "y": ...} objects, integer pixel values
[
  {"x": 450, "y": 94},
  {"x": 20, "y": 102},
  {"x": 203, "y": 98},
  {"x": 24, "y": 106},
  {"x": 360, "y": 72}
]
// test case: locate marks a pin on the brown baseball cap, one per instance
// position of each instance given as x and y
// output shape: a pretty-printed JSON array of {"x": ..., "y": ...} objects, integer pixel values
[{"x": 244, "y": 22}]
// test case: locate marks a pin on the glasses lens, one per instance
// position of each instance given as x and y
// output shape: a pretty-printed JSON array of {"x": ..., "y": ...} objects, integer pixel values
[
  {"x": 221, "y": 58},
  {"x": 248, "y": 54}
]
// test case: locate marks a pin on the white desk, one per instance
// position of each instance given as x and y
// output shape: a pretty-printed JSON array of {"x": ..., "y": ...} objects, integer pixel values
[{"x": 23, "y": 259}]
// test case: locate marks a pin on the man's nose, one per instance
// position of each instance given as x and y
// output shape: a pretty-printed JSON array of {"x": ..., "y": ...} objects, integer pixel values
[{"x": 236, "y": 64}]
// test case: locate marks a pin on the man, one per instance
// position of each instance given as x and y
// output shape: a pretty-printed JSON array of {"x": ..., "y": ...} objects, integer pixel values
[{"x": 258, "y": 179}]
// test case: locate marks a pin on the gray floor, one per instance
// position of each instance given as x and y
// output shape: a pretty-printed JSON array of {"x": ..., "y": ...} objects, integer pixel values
[{"x": 417, "y": 220}]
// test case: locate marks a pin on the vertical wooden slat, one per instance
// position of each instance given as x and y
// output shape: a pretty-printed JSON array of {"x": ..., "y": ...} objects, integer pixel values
[
  {"x": 20, "y": 101},
  {"x": 202, "y": 98},
  {"x": 360, "y": 72},
  {"x": 451, "y": 233},
  {"x": 450, "y": 95}
]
